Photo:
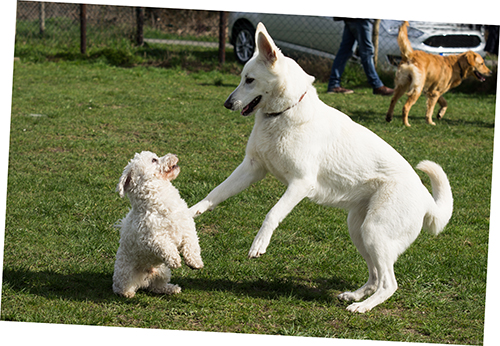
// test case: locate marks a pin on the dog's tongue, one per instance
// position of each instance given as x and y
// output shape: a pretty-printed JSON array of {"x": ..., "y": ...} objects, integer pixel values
[
  {"x": 479, "y": 76},
  {"x": 245, "y": 109}
]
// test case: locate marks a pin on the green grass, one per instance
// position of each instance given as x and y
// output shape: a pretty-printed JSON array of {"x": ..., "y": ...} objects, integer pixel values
[{"x": 90, "y": 120}]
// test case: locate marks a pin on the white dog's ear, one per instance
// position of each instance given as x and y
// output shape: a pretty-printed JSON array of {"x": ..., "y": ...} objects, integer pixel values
[
  {"x": 124, "y": 183},
  {"x": 265, "y": 45}
]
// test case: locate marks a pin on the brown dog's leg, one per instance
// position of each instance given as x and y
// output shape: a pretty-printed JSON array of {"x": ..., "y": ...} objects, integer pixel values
[
  {"x": 412, "y": 98},
  {"x": 444, "y": 106},
  {"x": 432, "y": 98},
  {"x": 398, "y": 92}
]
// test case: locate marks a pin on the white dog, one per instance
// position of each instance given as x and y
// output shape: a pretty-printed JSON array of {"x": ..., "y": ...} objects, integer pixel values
[
  {"x": 158, "y": 226},
  {"x": 321, "y": 154}
]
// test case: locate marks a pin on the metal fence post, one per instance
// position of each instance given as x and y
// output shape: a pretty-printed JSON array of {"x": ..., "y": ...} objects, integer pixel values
[
  {"x": 42, "y": 18},
  {"x": 83, "y": 29},
  {"x": 222, "y": 37}
]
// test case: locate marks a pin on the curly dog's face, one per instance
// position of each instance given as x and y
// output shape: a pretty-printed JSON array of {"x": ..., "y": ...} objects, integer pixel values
[{"x": 147, "y": 166}]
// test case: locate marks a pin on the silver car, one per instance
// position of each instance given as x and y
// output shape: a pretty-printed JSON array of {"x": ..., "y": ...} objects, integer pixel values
[{"x": 321, "y": 36}]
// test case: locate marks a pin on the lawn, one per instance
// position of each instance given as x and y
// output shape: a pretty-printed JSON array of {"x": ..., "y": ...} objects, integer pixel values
[{"x": 75, "y": 125}]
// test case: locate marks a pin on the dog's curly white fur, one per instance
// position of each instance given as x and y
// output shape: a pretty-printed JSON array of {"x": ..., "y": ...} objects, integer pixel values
[
  {"x": 157, "y": 227},
  {"x": 321, "y": 154}
]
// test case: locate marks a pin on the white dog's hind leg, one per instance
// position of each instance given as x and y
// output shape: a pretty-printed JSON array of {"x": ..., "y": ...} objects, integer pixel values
[
  {"x": 383, "y": 235},
  {"x": 126, "y": 280},
  {"x": 355, "y": 219},
  {"x": 124, "y": 286},
  {"x": 295, "y": 192},
  {"x": 386, "y": 288},
  {"x": 247, "y": 173},
  {"x": 368, "y": 288},
  {"x": 159, "y": 281}
]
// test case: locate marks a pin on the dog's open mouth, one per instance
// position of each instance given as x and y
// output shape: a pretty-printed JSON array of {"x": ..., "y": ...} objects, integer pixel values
[
  {"x": 170, "y": 173},
  {"x": 479, "y": 76},
  {"x": 171, "y": 169},
  {"x": 248, "y": 109}
]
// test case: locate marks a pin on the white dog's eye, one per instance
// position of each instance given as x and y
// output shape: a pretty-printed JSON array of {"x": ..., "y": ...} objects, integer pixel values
[
  {"x": 155, "y": 160},
  {"x": 249, "y": 80}
]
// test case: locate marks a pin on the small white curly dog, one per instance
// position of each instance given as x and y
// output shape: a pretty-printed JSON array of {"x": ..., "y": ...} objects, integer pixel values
[{"x": 158, "y": 226}]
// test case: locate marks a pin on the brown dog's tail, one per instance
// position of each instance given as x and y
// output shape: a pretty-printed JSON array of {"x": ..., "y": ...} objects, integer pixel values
[{"x": 404, "y": 42}]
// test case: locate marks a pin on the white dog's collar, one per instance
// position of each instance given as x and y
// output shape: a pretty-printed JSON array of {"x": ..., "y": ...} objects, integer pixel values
[{"x": 279, "y": 113}]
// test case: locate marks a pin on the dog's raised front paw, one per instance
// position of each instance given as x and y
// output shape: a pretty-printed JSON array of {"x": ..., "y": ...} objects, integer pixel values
[
  {"x": 255, "y": 253},
  {"x": 256, "y": 250},
  {"x": 259, "y": 245},
  {"x": 199, "y": 208},
  {"x": 193, "y": 212},
  {"x": 195, "y": 263},
  {"x": 174, "y": 262}
]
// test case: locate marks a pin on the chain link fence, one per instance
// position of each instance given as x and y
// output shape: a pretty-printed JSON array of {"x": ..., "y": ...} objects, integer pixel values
[
  {"x": 61, "y": 22},
  {"x": 313, "y": 36},
  {"x": 56, "y": 21}
]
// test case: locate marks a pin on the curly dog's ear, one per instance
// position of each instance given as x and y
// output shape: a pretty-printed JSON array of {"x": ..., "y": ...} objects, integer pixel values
[{"x": 124, "y": 183}]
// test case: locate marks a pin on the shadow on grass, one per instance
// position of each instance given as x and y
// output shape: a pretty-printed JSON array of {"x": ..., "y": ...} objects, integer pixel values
[
  {"x": 97, "y": 286},
  {"x": 322, "y": 289},
  {"x": 79, "y": 286},
  {"x": 377, "y": 116}
]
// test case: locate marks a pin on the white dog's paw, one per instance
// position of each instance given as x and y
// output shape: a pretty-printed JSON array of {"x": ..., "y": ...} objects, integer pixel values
[
  {"x": 258, "y": 248},
  {"x": 172, "y": 289},
  {"x": 194, "y": 263},
  {"x": 128, "y": 294},
  {"x": 199, "y": 208},
  {"x": 167, "y": 289},
  {"x": 255, "y": 253},
  {"x": 174, "y": 262},
  {"x": 358, "y": 307},
  {"x": 347, "y": 296}
]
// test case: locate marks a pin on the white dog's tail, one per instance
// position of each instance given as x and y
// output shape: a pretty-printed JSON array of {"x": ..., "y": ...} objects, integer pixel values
[{"x": 439, "y": 214}]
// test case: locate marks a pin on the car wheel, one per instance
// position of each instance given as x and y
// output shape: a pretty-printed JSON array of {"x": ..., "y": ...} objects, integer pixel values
[{"x": 244, "y": 43}]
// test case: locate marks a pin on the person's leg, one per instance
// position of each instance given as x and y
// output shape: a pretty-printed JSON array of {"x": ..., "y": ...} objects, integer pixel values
[
  {"x": 343, "y": 55},
  {"x": 362, "y": 29}
]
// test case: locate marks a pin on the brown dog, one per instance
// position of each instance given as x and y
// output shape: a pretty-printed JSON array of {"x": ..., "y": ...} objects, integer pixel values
[{"x": 432, "y": 74}]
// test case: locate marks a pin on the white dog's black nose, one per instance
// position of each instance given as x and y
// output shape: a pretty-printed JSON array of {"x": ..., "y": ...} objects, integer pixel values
[{"x": 229, "y": 103}]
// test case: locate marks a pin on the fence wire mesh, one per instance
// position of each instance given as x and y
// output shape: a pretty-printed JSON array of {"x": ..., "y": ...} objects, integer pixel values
[
  {"x": 312, "y": 35},
  {"x": 61, "y": 22}
]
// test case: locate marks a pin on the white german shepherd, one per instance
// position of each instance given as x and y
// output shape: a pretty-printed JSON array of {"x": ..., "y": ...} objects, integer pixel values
[{"x": 321, "y": 154}]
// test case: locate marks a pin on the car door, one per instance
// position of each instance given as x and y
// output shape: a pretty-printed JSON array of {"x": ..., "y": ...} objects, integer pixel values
[{"x": 315, "y": 32}]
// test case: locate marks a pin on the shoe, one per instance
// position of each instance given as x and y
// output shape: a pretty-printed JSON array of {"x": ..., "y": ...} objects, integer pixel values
[
  {"x": 339, "y": 90},
  {"x": 383, "y": 90}
]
